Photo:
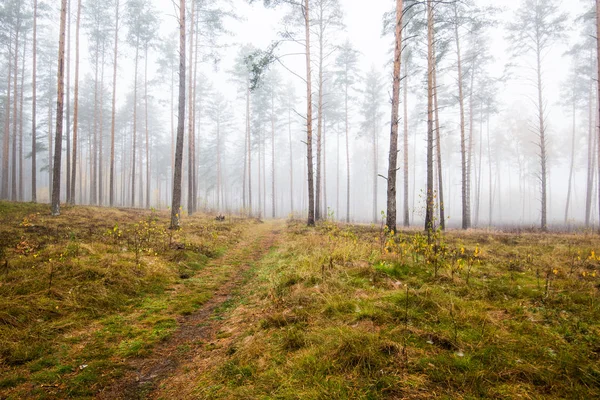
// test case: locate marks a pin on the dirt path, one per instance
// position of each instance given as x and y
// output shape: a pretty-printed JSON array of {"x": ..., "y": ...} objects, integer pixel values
[{"x": 197, "y": 332}]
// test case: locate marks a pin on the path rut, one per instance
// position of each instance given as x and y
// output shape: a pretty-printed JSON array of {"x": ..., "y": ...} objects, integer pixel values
[{"x": 197, "y": 329}]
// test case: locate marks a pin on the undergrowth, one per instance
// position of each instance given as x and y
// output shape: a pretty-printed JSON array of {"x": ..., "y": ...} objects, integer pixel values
[
  {"x": 81, "y": 292},
  {"x": 357, "y": 313}
]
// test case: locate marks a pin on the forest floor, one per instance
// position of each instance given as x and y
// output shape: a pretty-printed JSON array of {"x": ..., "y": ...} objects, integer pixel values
[{"x": 107, "y": 303}]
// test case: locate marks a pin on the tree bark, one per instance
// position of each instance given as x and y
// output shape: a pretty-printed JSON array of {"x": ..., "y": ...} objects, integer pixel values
[
  {"x": 543, "y": 160},
  {"x": 291, "y": 161},
  {"x": 318, "y": 210},
  {"x": 59, "y": 112},
  {"x": 393, "y": 156},
  {"x": 146, "y": 125},
  {"x": 466, "y": 209},
  {"x": 438, "y": 143},
  {"x": 309, "y": 156},
  {"x": 176, "y": 203},
  {"x": 190, "y": 199},
  {"x": 572, "y": 161},
  {"x": 429, "y": 219},
  {"x": 34, "y": 108},
  {"x": 273, "y": 205},
  {"x": 6, "y": 139},
  {"x": 347, "y": 146},
  {"x": 598, "y": 87},
  {"x": 133, "y": 146},
  {"x": 111, "y": 178},
  {"x": 249, "y": 146},
  {"x": 75, "y": 106},
  {"x": 405, "y": 110},
  {"x": 13, "y": 171},
  {"x": 20, "y": 145},
  {"x": 68, "y": 118}
]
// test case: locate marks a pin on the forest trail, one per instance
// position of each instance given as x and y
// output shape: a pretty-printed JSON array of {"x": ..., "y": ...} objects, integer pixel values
[{"x": 197, "y": 332}]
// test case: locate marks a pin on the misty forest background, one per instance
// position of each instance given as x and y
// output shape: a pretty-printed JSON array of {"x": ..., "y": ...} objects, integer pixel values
[{"x": 507, "y": 125}]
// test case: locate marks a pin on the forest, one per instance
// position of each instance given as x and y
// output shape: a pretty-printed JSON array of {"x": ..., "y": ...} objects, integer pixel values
[{"x": 299, "y": 199}]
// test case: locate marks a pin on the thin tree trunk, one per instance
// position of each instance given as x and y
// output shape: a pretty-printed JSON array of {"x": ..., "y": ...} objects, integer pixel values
[
  {"x": 466, "y": 209},
  {"x": 21, "y": 100},
  {"x": 34, "y": 108},
  {"x": 347, "y": 148},
  {"x": 190, "y": 194},
  {"x": 260, "y": 207},
  {"x": 101, "y": 131},
  {"x": 15, "y": 121},
  {"x": 59, "y": 112},
  {"x": 598, "y": 87},
  {"x": 111, "y": 178},
  {"x": 291, "y": 161},
  {"x": 249, "y": 146},
  {"x": 491, "y": 195},
  {"x": 6, "y": 139},
  {"x": 146, "y": 125},
  {"x": 572, "y": 162},
  {"x": 429, "y": 223},
  {"x": 588, "y": 188},
  {"x": 470, "y": 145},
  {"x": 405, "y": 200},
  {"x": 273, "y": 154},
  {"x": 318, "y": 194},
  {"x": 175, "y": 206},
  {"x": 309, "y": 156},
  {"x": 133, "y": 146},
  {"x": 68, "y": 119},
  {"x": 76, "y": 107},
  {"x": 438, "y": 143},
  {"x": 544, "y": 226}
]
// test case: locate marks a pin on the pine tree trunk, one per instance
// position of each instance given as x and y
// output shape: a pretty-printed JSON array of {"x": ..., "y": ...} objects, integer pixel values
[
  {"x": 249, "y": 146},
  {"x": 429, "y": 222},
  {"x": 491, "y": 193},
  {"x": 133, "y": 146},
  {"x": 68, "y": 119},
  {"x": 466, "y": 209},
  {"x": 347, "y": 148},
  {"x": 542, "y": 133},
  {"x": 59, "y": 112},
  {"x": 101, "y": 131},
  {"x": 6, "y": 139},
  {"x": 572, "y": 162},
  {"x": 76, "y": 107},
  {"x": 318, "y": 210},
  {"x": 260, "y": 208},
  {"x": 405, "y": 104},
  {"x": 20, "y": 145},
  {"x": 438, "y": 143},
  {"x": 146, "y": 126},
  {"x": 34, "y": 108},
  {"x": 291, "y": 161},
  {"x": 175, "y": 206},
  {"x": 190, "y": 194},
  {"x": 273, "y": 154},
  {"x": 111, "y": 178},
  {"x": 309, "y": 156},
  {"x": 15, "y": 121},
  {"x": 588, "y": 188},
  {"x": 598, "y": 87}
]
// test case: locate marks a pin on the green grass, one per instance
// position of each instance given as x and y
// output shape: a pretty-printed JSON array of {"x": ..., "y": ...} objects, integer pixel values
[
  {"x": 340, "y": 319},
  {"x": 92, "y": 287}
]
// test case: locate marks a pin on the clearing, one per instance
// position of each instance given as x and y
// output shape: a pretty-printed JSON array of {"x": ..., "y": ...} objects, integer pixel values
[{"x": 107, "y": 303}]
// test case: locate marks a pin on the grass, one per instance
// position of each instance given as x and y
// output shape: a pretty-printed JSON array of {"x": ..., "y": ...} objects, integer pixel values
[
  {"x": 334, "y": 312},
  {"x": 347, "y": 314},
  {"x": 81, "y": 292}
]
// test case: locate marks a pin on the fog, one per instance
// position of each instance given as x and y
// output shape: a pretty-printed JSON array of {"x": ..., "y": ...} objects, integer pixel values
[{"x": 499, "y": 94}]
